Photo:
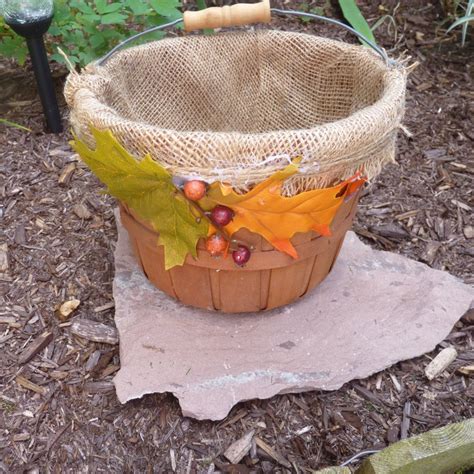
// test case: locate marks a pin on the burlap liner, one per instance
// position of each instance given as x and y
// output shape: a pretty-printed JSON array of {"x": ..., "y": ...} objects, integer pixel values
[{"x": 236, "y": 107}]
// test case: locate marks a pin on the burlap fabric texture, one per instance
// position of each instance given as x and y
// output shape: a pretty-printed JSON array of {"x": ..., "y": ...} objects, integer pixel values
[{"x": 236, "y": 107}]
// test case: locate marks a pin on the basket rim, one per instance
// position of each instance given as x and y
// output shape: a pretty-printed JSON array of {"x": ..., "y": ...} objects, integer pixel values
[
  {"x": 393, "y": 89},
  {"x": 365, "y": 138}
]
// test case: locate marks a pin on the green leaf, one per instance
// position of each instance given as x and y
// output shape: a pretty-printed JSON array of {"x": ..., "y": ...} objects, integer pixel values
[
  {"x": 77, "y": 37},
  {"x": 97, "y": 40},
  {"x": 460, "y": 21},
  {"x": 315, "y": 11},
  {"x": 82, "y": 7},
  {"x": 60, "y": 59},
  {"x": 91, "y": 29},
  {"x": 112, "y": 7},
  {"x": 383, "y": 19},
  {"x": 103, "y": 7},
  {"x": 14, "y": 125},
  {"x": 14, "y": 47},
  {"x": 469, "y": 9},
  {"x": 167, "y": 8},
  {"x": 85, "y": 19},
  {"x": 354, "y": 16},
  {"x": 86, "y": 57},
  {"x": 113, "y": 18},
  {"x": 100, "y": 6},
  {"x": 112, "y": 35},
  {"x": 148, "y": 189},
  {"x": 138, "y": 7},
  {"x": 464, "y": 21},
  {"x": 54, "y": 30},
  {"x": 154, "y": 36},
  {"x": 62, "y": 12},
  {"x": 153, "y": 19}
]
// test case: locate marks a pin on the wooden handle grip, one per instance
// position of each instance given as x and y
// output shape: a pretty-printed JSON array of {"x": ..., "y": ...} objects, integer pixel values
[{"x": 235, "y": 15}]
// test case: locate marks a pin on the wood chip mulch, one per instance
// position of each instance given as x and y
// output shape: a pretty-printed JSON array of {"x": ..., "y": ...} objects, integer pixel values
[{"x": 58, "y": 409}]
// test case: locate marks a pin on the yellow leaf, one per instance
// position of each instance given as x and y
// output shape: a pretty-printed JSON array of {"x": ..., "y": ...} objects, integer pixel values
[{"x": 278, "y": 218}]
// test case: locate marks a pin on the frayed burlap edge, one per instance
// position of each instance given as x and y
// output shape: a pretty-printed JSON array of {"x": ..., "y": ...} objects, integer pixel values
[{"x": 330, "y": 152}]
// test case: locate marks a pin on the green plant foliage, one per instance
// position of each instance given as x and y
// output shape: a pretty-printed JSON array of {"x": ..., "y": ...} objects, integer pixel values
[
  {"x": 464, "y": 21},
  {"x": 11, "y": 45},
  {"x": 321, "y": 11},
  {"x": 353, "y": 15},
  {"x": 87, "y": 29},
  {"x": 14, "y": 125}
]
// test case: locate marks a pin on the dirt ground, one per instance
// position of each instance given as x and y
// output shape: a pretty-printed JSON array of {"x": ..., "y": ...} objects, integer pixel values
[{"x": 59, "y": 411}]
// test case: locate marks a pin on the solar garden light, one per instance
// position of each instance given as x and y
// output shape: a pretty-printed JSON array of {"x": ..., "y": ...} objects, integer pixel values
[{"x": 31, "y": 19}]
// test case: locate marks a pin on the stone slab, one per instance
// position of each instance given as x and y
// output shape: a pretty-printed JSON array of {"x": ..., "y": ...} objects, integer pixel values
[{"x": 375, "y": 309}]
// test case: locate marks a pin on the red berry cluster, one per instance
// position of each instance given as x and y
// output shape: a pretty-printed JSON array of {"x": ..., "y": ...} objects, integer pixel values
[{"x": 220, "y": 216}]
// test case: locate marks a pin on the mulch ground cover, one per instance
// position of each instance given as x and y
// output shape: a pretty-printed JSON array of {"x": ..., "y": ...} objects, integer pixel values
[{"x": 58, "y": 408}]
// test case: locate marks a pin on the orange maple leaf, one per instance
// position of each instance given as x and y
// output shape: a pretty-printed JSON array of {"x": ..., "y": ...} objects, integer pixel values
[{"x": 278, "y": 218}]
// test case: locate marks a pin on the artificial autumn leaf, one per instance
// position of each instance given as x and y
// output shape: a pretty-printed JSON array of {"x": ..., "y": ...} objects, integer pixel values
[
  {"x": 277, "y": 218},
  {"x": 147, "y": 188}
]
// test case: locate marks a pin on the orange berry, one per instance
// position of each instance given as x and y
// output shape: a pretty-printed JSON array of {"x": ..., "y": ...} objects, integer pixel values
[
  {"x": 216, "y": 245},
  {"x": 194, "y": 189}
]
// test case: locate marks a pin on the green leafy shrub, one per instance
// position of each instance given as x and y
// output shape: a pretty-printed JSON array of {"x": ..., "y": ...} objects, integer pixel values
[
  {"x": 11, "y": 45},
  {"x": 87, "y": 29}
]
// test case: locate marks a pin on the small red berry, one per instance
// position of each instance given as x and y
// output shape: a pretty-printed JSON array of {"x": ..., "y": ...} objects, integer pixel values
[
  {"x": 216, "y": 245},
  {"x": 242, "y": 255},
  {"x": 194, "y": 189},
  {"x": 222, "y": 215}
]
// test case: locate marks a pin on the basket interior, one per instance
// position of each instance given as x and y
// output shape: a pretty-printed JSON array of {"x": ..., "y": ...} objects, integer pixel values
[{"x": 247, "y": 82}]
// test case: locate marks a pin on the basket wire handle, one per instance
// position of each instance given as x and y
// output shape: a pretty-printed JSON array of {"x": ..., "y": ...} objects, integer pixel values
[
  {"x": 380, "y": 51},
  {"x": 237, "y": 15},
  {"x": 101, "y": 61}
]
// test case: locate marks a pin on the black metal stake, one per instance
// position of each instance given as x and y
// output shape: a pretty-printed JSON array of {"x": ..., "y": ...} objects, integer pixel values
[
  {"x": 45, "y": 84},
  {"x": 33, "y": 32}
]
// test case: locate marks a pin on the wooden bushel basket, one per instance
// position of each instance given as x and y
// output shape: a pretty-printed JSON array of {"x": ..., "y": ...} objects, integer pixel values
[
  {"x": 235, "y": 108},
  {"x": 270, "y": 279}
]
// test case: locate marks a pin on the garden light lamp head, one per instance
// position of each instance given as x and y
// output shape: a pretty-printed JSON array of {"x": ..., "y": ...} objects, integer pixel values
[
  {"x": 31, "y": 19},
  {"x": 28, "y": 18}
]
